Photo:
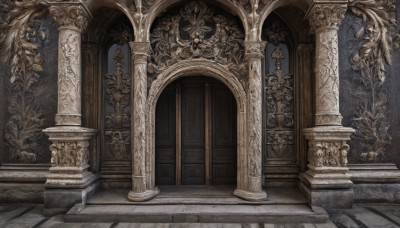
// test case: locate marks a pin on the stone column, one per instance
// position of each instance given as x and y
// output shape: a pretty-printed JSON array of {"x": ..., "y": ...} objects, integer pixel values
[
  {"x": 326, "y": 179},
  {"x": 253, "y": 191},
  {"x": 140, "y": 54},
  {"x": 69, "y": 181}
]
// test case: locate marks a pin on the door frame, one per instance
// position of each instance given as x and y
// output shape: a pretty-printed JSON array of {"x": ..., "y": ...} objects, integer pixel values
[{"x": 199, "y": 68}]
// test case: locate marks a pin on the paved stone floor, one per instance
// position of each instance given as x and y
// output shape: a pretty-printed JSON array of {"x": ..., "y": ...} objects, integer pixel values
[{"x": 366, "y": 215}]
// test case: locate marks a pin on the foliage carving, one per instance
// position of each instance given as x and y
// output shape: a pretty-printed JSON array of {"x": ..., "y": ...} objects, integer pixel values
[
  {"x": 21, "y": 43},
  {"x": 370, "y": 120},
  {"x": 197, "y": 32}
]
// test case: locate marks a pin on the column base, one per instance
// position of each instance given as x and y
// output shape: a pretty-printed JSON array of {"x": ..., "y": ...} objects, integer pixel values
[
  {"x": 326, "y": 177},
  {"x": 143, "y": 196},
  {"x": 328, "y": 198},
  {"x": 250, "y": 196},
  {"x": 60, "y": 200}
]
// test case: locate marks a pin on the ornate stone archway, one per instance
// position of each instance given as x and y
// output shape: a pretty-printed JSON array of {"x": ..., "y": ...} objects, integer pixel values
[{"x": 195, "y": 68}]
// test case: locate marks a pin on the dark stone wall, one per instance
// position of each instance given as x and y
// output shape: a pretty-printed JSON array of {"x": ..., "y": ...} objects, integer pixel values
[
  {"x": 383, "y": 122},
  {"x": 30, "y": 145}
]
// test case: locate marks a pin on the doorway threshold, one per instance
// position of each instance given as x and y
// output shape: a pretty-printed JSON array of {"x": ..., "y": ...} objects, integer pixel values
[{"x": 197, "y": 195}]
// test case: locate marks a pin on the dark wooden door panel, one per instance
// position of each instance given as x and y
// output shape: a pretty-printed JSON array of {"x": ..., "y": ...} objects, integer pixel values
[
  {"x": 193, "y": 174},
  {"x": 223, "y": 135},
  {"x": 165, "y": 156},
  {"x": 193, "y": 134}
]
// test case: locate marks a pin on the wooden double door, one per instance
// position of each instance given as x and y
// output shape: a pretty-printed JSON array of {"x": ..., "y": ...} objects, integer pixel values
[{"x": 196, "y": 133}]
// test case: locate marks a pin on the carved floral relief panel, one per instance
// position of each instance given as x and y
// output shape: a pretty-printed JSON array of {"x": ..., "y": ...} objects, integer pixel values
[
  {"x": 278, "y": 91},
  {"x": 368, "y": 84},
  {"x": 117, "y": 92},
  {"x": 29, "y": 38}
]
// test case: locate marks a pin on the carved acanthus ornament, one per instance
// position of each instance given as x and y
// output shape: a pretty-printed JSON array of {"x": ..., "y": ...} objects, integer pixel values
[
  {"x": 371, "y": 118},
  {"x": 21, "y": 38},
  {"x": 326, "y": 16},
  {"x": 70, "y": 14},
  {"x": 70, "y": 154},
  {"x": 331, "y": 153},
  {"x": 196, "y": 31}
]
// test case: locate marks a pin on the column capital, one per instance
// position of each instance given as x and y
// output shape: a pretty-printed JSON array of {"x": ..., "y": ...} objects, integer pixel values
[
  {"x": 326, "y": 14},
  {"x": 254, "y": 49},
  {"x": 70, "y": 14},
  {"x": 140, "y": 51}
]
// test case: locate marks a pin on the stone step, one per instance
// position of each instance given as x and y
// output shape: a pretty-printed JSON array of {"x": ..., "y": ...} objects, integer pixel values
[{"x": 197, "y": 214}]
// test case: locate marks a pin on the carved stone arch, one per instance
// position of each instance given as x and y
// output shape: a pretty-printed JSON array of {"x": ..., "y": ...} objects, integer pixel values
[
  {"x": 197, "y": 68},
  {"x": 160, "y": 7},
  {"x": 301, "y": 6}
]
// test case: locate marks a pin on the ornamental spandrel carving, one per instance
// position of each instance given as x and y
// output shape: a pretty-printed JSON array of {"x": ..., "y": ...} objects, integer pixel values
[
  {"x": 328, "y": 153},
  {"x": 326, "y": 15},
  {"x": 69, "y": 15},
  {"x": 22, "y": 36},
  {"x": 142, "y": 6},
  {"x": 70, "y": 154},
  {"x": 197, "y": 31}
]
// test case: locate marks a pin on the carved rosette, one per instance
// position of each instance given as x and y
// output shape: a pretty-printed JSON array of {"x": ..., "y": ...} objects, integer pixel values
[{"x": 325, "y": 20}]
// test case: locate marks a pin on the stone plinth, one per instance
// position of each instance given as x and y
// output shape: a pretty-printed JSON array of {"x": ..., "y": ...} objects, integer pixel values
[
  {"x": 69, "y": 180},
  {"x": 326, "y": 177}
]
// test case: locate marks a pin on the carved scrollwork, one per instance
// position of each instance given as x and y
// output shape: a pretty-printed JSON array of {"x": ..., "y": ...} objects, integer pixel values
[
  {"x": 69, "y": 15},
  {"x": 371, "y": 118},
  {"x": 21, "y": 40},
  {"x": 328, "y": 153},
  {"x": 196, "y": 31},
  {"x": 70, "y": 154},
  {"x": 326, "y": 15}
]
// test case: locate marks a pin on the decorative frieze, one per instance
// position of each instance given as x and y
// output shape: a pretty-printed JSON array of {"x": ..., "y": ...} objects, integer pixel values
[
  {"x": 328, "y": 153},
  {"x": 70, "y": 154}
]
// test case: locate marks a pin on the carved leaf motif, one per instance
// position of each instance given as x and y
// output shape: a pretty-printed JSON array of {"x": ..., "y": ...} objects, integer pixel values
[
  {"x": 370, "y": 120},
  {"x": 21, "y": 43}
]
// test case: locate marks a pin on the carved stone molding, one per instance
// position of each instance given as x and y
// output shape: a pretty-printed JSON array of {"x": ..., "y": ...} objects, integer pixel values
[
  {"x": 140, "y": 52},
  {"x": 323, "y": 15},
  {"x": 69, "y": 15},
  {"x": 328, "y": 119}
]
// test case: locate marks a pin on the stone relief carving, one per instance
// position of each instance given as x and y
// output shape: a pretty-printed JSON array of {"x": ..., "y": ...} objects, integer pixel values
[
  {"x": 21, "y": 40},
  {"x": 117, "y": 95},
  {"x": 70, "y": 154},
  {"x": 328, "y": 153},
  {"x": 279, "y": 95},
  {"x": 117, "y": 92},
  {"x": 371, "y": 117},
  {"x": 328, "y": 72},
  {"x": 196, "y": 31},
  {"x": 142, "y": 6}
]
